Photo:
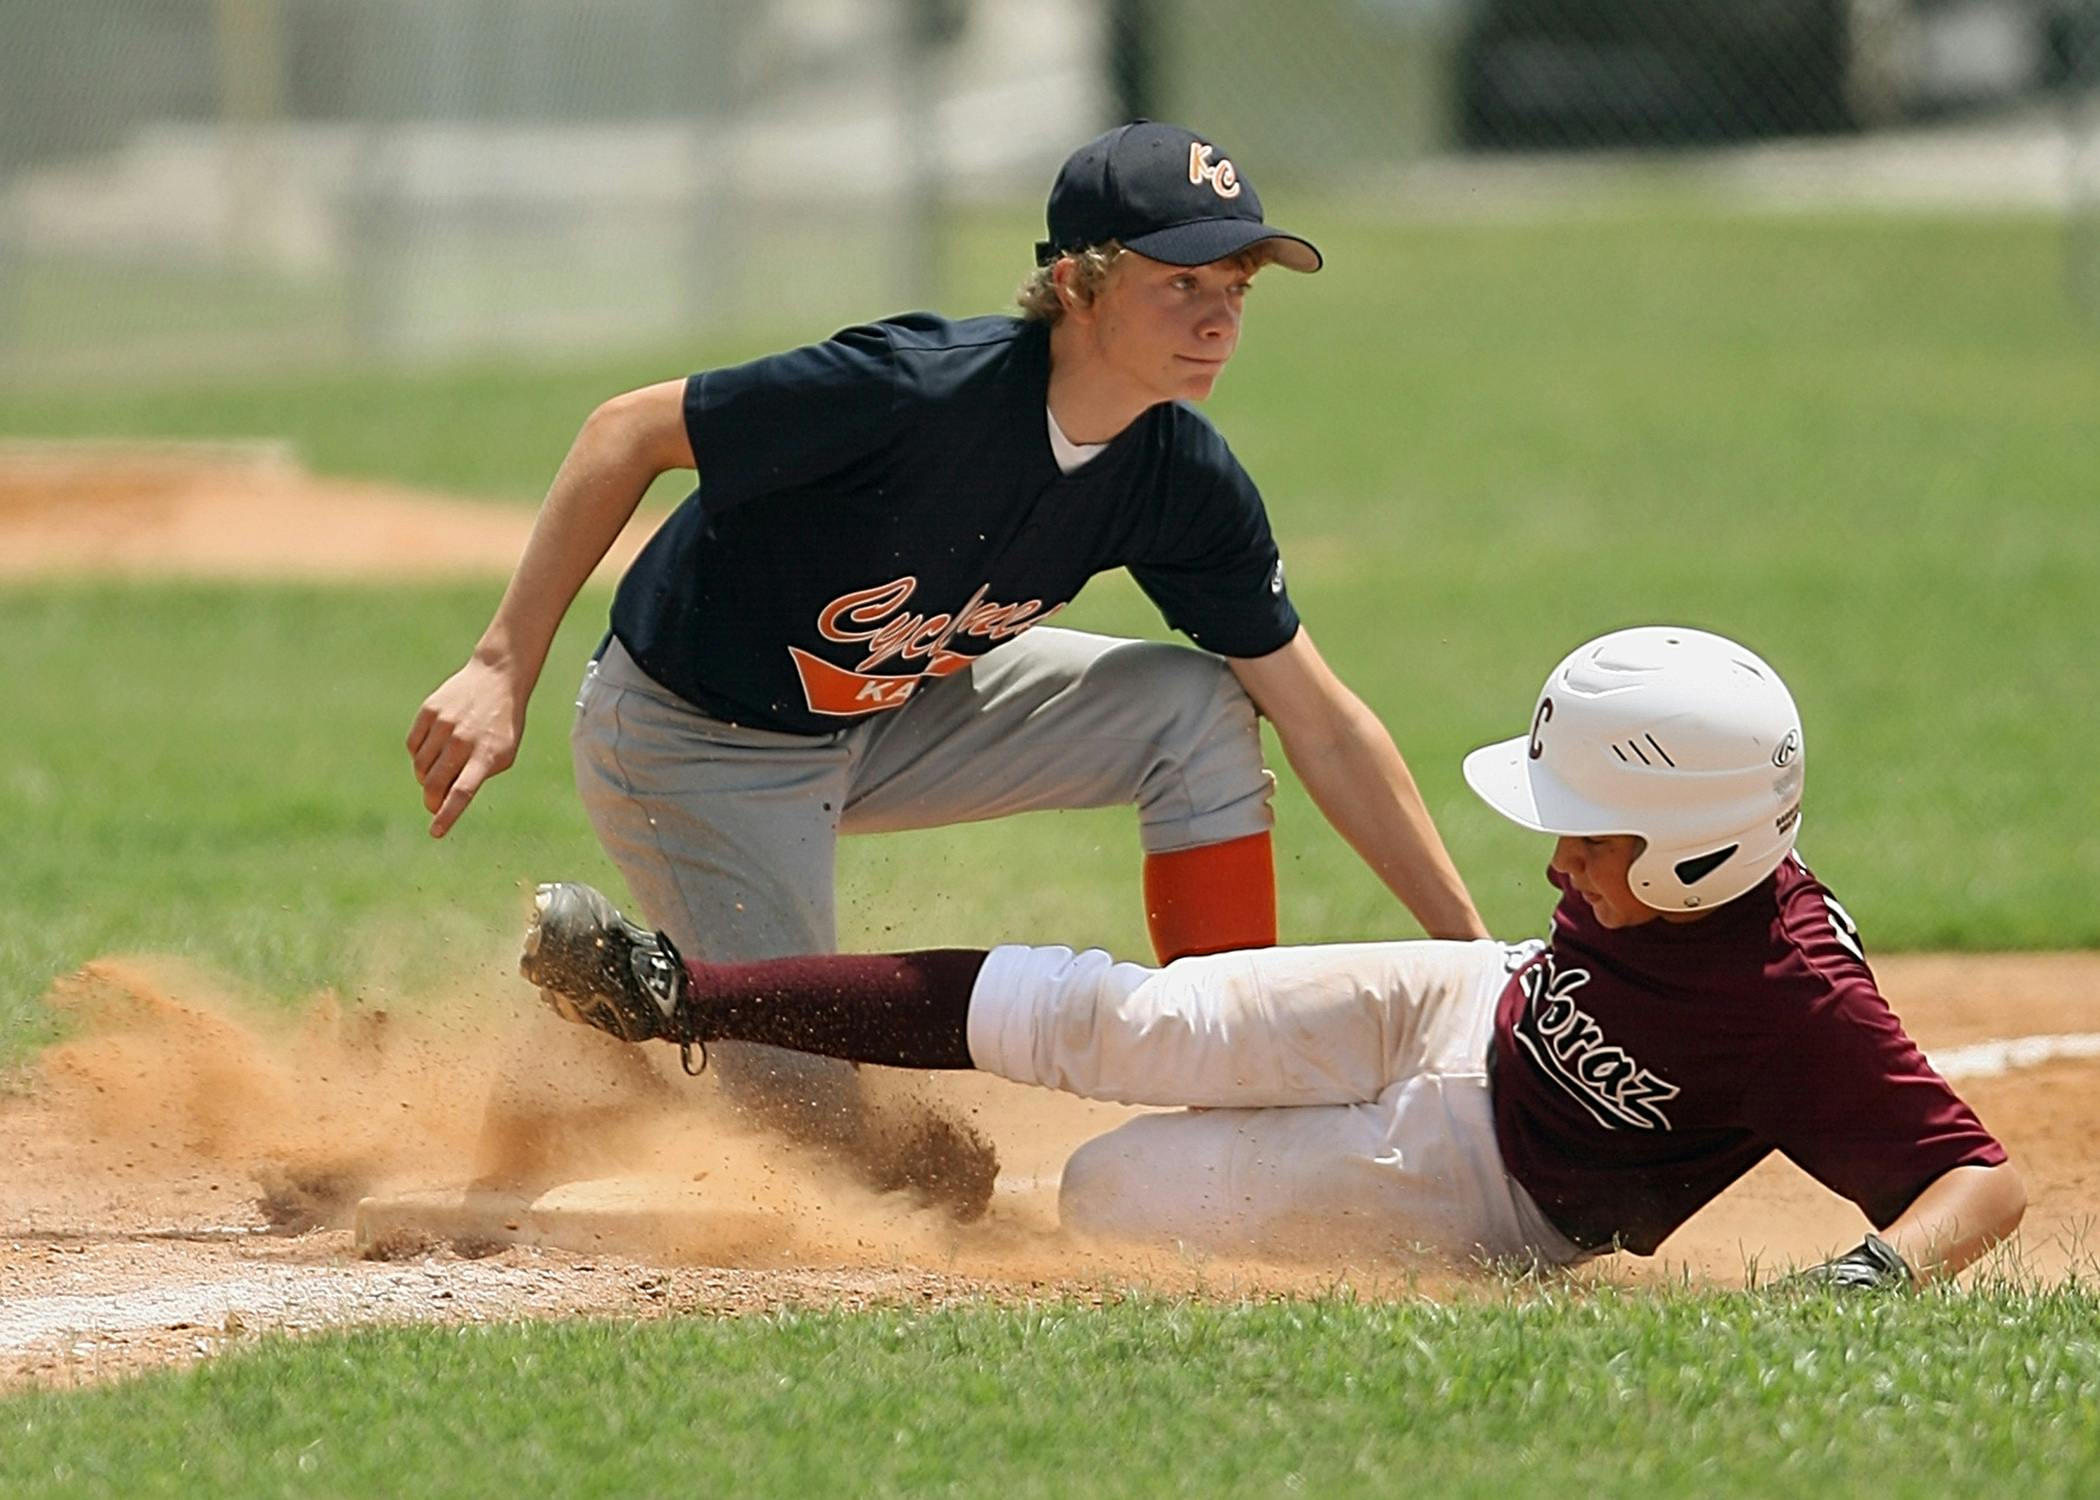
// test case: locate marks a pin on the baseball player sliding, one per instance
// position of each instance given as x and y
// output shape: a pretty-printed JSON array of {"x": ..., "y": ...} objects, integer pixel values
[
  {"x": 1702, "y": 1002},
  {"x": 844, "y": 628}
]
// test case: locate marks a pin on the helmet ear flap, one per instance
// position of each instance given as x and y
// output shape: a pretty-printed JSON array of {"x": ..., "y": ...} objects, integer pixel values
[
  {"x": 1666, "y": 878},
  {"x": 1692, "y": 871}
]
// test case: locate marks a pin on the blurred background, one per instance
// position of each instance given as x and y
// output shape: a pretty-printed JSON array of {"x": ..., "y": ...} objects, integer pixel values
[
  {"x": 201, "y": 183},
  {"x": 1775, "y": 317}
]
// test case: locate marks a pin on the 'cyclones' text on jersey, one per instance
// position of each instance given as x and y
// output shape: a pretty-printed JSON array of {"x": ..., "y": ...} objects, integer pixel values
[{"x": 878, "y": 617}]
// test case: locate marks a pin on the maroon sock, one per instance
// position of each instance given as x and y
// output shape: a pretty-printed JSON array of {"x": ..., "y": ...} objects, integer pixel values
[{"x": 904, "y": 1010}]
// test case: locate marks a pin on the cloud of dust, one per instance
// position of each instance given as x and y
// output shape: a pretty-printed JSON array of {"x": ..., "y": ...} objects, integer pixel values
[
  {"x": 318, "y": 1105},
  {"x": 322, "y": 1106}
]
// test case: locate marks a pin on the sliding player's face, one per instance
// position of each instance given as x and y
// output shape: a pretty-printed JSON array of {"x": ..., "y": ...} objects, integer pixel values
[{"x": 1596, "y": 867}]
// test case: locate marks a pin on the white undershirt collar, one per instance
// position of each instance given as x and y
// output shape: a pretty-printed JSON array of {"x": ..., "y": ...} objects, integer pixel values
[{"x": 1069, "y": 455}]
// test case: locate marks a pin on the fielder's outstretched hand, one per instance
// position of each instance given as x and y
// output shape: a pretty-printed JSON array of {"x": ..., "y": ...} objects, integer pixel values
[{"x": 467, "y": 731}]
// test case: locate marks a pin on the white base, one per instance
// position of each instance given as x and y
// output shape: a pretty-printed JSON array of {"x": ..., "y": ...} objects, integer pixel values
[{"x": 657, "y": 1217}]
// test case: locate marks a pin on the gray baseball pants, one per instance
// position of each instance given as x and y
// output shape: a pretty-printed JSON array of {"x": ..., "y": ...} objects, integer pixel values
[{"x": 726, "y": 835}]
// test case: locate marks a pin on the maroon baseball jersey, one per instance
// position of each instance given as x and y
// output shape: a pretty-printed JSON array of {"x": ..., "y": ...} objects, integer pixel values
[{"x": 1639, "y": 1072}]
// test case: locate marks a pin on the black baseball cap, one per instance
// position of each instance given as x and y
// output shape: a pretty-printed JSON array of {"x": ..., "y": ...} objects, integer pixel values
[{"x": 1166, "y": 193}]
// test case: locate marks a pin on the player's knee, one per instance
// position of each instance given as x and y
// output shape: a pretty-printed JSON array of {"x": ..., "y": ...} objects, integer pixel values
[
  {"x": 1145, "y": 1180},
  {"x": 1098, "y": 1193},
  {"x": 1206, "y": 741},
  {"x": 1177, "y": 687}
]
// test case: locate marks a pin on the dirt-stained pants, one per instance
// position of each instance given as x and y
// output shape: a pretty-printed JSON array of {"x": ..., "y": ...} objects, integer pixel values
[{"x": 1342, "y": 1094}]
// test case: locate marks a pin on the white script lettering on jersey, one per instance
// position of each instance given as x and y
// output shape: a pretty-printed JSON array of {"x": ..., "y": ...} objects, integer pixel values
[
  {"x": 1223, "y": 177},
  {"x": 1569, "y": 1047}
]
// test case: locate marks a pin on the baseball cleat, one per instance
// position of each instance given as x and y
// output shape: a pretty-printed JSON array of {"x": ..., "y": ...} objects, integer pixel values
[{"x": 595, "y": 967}]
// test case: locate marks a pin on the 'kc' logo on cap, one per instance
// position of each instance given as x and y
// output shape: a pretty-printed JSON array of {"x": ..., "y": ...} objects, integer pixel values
[
  {"x": 1167, "y": 194},
  {"x": 1223, "y": 178}
]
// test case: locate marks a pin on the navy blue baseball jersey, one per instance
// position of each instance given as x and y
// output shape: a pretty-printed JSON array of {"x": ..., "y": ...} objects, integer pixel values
[{"x": 884, "y": 506}]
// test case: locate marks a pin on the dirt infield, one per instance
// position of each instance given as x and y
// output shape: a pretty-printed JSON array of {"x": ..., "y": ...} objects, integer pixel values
[
  {"x": 180, "y": 1174},
  {"x": 239, "y": 510}
]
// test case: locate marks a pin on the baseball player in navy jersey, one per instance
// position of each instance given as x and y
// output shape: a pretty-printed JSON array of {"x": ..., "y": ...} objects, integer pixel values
[
  {"x": 1702, "y": 1001},
  {"x": 844, "y": 628}
]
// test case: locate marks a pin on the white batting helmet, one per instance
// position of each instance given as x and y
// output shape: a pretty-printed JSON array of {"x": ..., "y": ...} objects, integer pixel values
[{"x": 1684, "y": 738}]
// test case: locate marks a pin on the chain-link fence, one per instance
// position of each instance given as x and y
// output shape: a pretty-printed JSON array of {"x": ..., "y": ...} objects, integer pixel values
[
  {"x": 188, "y": 182},
  {"x": 2081, "y": 52},
  {"x": 1340, "y": 80}
]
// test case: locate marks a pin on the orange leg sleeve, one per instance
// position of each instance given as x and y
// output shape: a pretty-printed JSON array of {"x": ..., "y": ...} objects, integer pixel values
[{"x": 1211, "y": 899}]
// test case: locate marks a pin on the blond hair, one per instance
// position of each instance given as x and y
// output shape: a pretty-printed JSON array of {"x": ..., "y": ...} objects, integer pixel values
[
  {"x": 1038, "y": 297},
  {"x": 1090, "y": 267}
]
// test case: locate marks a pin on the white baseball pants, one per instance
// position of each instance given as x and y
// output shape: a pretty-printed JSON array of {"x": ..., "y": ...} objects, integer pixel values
[{"x": 1342, "y": 1092}]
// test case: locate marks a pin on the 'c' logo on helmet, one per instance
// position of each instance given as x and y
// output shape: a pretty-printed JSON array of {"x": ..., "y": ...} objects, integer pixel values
[
  {"x": 1539, "y": 721},
  {"x": 1788, "y": 749}
]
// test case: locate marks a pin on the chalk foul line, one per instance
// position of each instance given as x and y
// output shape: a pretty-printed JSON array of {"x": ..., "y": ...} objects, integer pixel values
[{"x": 1994, "y": 1058}]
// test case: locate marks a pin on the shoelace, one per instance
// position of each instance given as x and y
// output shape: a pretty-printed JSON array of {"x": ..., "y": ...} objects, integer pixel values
[{"x": 667, "y": 985}]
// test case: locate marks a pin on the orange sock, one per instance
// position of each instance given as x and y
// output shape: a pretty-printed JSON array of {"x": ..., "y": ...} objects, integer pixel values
[{"x": 1211, "y": 899}]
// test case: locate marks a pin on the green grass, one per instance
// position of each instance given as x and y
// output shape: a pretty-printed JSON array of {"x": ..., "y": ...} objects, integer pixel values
[
  {"x": 148, "y": 314},
  {"x": 1658, "y": 1394},
  {"x": 1862, "y": 444},
  {"x": 490, "y": 430},
  {"x": 261, "y": 817},
  {"x": 219, "y": 774}
]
